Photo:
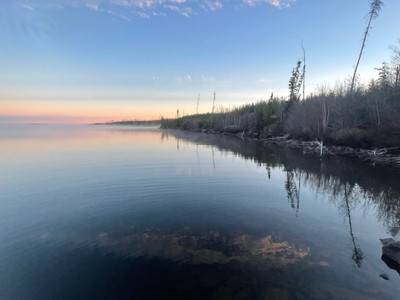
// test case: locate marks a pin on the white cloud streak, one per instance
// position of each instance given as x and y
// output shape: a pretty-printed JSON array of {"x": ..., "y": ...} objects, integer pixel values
[
  {"x": 184, "y": 11},
  {"x": 26, "y": 6},
  {"x": 276, "y": 3},
  {"x": 264, "y": 80},
  {"x": 183, "y": 80},
  {"x": 92, "y": 6},
  {"x": 128, "y": 9},
  {"x": 142, "y": 14},
  {"x": 214, "y": 5}
]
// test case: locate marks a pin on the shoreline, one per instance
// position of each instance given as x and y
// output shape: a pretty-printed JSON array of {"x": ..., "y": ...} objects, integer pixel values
[{"x": 382, "y": 156}]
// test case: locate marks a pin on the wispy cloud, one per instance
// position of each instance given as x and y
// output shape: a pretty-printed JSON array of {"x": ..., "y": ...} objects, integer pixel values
[
  {"x": 117, "y": 14},
  {"x": 184, "y": 11},
  {"x": 128, "y": 9},
  {"x": 201, "y": 80},
  {"x": 264, "y": 80},
  {"x": 159, "y": 14},
  {"x": 26, "y": 6},
  {"x": 276, "y": 3},
  {"x": 142, "y": 14},
  {"x": 135, "y": 3},
  {"x": 92, "y": 6},
  {"x": 207, "y": 79},
  {"x": 96, "y": 7},
  {"x": 183, "y": 80},
  {"x": 214, "y": 5}
]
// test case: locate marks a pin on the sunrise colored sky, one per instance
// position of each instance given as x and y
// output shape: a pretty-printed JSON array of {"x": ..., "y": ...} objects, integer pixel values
[{"x": 82, "y": 61}]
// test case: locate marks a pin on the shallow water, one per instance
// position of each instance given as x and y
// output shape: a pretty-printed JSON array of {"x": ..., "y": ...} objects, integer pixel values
[{"x": 112, "y": 212}]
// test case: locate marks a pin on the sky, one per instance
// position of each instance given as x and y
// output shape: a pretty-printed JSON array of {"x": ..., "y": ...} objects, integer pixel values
[{"x": 83, "y": 61}]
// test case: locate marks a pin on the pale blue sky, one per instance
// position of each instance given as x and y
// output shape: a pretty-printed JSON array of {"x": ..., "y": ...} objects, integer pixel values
[{"x": 148, "y": 58}]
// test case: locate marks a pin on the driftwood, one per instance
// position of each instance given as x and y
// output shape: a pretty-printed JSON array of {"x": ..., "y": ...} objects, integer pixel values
[{"x": 382, "y": 156}]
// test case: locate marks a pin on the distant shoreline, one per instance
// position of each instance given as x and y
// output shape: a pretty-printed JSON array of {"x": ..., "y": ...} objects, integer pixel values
[
  {"x": 389, "y": 156},
  {"x": 135, "y": 123}
]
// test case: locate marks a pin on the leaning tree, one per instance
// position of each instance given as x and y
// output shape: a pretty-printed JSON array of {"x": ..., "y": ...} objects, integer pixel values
[{"x": 375, "y": 7}]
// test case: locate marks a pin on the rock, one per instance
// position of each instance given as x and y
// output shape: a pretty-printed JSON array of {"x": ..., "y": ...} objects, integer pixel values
[
  {"x": 394, "y": 230},
  {"x": 232, "y": 129},
  {"x": 384, "y": 276},
  {"x": 223, "y": 293},
  {"x": 387, "y": 241},
  {"x": 391, "y": 249},
  {"x": 390, "y": 263},
  {"x": 275, "y": 293}
]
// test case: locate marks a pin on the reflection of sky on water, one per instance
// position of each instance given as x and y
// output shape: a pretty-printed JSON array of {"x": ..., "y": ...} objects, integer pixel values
[{"x": 115, "y": 196}]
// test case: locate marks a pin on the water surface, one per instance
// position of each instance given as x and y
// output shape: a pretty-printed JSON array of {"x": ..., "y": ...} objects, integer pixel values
[{"x": 112, "y": 212}]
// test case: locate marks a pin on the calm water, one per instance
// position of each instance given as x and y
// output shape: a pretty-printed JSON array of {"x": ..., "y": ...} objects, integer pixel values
[{"x": 96, "y": 212}]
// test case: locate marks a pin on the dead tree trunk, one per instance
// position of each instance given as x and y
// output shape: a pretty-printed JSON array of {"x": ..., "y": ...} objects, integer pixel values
[{"x": 373, "y": 13}]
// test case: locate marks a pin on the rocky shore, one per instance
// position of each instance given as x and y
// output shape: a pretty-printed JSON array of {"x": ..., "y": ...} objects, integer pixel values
[
  {"x": 378, "y": 156},
  {"x": 375, "y": 156}
]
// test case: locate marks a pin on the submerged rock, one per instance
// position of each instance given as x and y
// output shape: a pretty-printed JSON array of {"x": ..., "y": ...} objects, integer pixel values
[
  {"x": 394, "y": 230},
  {"x": 275, "y": 293},
  {"x": 391, "y": 263},
  {"x": 391, "y": 249},
  {"x": 384, "y": 276}
]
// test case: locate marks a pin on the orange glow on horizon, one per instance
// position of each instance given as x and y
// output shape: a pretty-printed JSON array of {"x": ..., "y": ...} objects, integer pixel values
[
  {"x": 34, "y": 104},
  {"x": 75, "y": 112},
  {"x": 88, "y": 140}
]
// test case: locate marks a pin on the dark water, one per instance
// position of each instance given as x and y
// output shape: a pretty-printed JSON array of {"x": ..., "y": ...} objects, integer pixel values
[{"x": 91, "y": 212}]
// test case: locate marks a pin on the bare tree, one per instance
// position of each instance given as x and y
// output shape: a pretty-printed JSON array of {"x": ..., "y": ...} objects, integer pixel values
[
  {"x": 325, "y": 111},
  {"x": 213, "y": 106},
  {"x": 396, "y": 53},
  {"x": 304, "y": 71},
  {"x": 372, "y": 15},
  {"x": 396, "y": 63},
  {"x": 198, "y": 102}
]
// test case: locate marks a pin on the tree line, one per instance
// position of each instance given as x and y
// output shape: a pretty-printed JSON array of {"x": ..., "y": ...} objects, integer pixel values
[{"x": 349, "y": 113}]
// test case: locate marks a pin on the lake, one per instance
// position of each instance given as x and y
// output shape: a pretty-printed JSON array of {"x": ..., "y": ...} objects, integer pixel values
[{"x": 112, "y": 212}]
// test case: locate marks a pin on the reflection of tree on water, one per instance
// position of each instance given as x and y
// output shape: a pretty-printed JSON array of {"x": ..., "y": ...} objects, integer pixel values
[
  {"x": 341, "y": 192},
  {"x": 357, "y": 252},
  {"x": 387, "y": 202},
  {"x": 197, "y": 155},
  {"x": 268, "y": 172},
  {"x": 375, "y": 187},
  {"x": 344, "y": 194},
  {"x": 293, "y": 189},
  {"x": 213, "y": 158}
]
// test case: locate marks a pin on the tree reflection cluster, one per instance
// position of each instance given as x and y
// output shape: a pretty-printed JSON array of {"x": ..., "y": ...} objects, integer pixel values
[{"x": 346, "y": 182}]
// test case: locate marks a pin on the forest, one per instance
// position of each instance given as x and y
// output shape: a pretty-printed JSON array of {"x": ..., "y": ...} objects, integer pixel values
[
  {"x": 366, "y": 116},
  {"x": 349, "y": 113}
]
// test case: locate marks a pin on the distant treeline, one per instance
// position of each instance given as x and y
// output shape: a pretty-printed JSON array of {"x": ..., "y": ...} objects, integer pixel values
[
  {"x": 134, "y": 123},
  {"x": 348, "y": 114},
  {"x": 370, "y": 116},
  {"x": 250, "y": 118}
]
